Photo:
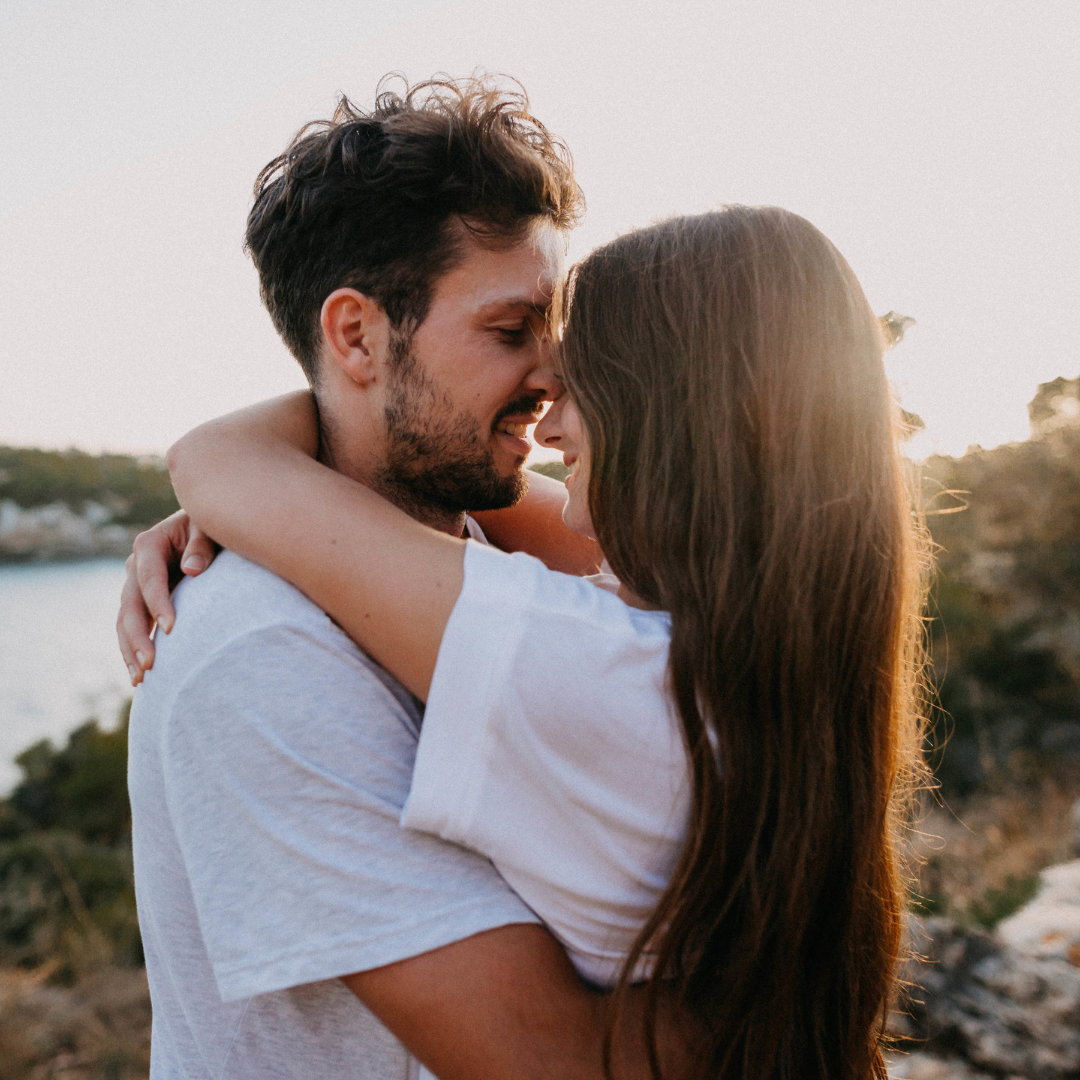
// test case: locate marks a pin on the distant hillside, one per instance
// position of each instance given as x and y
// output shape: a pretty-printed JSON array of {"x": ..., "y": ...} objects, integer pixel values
[
  {"x": 69, "y": 504},
  {"x": 63, "y": 504},
  {"x": 555, "y": 469},
  {"x": 1006, "y": 598}
]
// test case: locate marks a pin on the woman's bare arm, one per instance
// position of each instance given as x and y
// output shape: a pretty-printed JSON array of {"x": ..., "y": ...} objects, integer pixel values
[
  {"x": 535, "y": 525},
  {"x": 176, "y": 546},
  {"x": 391, "y": 583}
]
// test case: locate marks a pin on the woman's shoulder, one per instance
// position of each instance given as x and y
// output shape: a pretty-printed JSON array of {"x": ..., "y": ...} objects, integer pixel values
[
  {"x": 532, "y": 589},
  {"x": 580, "y": 648}
]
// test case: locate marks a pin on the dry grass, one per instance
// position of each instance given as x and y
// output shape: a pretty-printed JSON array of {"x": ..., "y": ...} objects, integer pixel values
[
  {"x": 88, "y": 1018},
  {"x": 981, "y": 857},
  {"x": 96, "y": 1029}
]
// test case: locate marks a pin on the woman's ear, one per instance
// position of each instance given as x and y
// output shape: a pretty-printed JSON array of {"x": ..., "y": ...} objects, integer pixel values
[{"x": 357, "y": 334}]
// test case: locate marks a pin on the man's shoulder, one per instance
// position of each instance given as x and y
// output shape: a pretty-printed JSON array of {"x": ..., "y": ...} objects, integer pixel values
[
  {"x": 244, "y": 595},
  {"x": 243, "y": 631}
]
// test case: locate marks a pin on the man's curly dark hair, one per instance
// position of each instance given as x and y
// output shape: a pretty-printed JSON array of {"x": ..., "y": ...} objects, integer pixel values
[{"x": 376, "y": 201}]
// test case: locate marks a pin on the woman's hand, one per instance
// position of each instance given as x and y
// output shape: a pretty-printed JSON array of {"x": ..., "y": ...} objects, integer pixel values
[
  {"x": 160, "y": 556},
  {"x": 177, "y": 546}
]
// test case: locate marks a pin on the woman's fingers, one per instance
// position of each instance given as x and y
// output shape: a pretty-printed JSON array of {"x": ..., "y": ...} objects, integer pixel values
[
  {"x": 199, "y": 553},
  {"x": 157, "y": 555},
  {"x": 145, "y": 597},
  {"x": 133, "y": 626}
]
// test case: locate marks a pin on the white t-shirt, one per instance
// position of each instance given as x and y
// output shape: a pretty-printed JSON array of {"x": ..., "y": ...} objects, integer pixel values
[
  {"x": 551, "y": 745},
  {"x": 269, "y": 762}
]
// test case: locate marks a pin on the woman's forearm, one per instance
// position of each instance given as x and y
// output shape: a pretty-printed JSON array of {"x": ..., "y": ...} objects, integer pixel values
[
  {"x": 217, "y": 468},
  {"x": 388, "y": 581},
  {"x": 535, "y": 525}
]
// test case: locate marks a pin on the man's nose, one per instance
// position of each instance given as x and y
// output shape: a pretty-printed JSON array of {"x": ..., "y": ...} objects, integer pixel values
[{"x": 544, "y": 381}]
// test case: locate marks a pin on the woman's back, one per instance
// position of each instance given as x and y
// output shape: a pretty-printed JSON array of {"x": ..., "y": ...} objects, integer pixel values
[{"x": 550, "y": 745}]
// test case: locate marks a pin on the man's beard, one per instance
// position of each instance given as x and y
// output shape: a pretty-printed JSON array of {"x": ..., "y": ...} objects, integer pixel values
[{"x": 437, "y": 458}]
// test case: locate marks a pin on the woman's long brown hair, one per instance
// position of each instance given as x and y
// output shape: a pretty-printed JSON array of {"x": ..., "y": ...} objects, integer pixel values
[{"x": 746, "y": 478}]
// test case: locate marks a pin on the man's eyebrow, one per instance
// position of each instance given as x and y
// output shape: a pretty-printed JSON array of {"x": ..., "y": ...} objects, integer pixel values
[{"x": 515, "y": 303}]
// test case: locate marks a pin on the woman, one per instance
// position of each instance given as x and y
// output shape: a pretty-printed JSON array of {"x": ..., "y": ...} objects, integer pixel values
[{"x": 742, "y": 721}]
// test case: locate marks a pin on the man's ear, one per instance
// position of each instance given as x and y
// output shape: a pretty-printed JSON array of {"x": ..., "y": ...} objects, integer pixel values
[{"x": 357, "y": 334}]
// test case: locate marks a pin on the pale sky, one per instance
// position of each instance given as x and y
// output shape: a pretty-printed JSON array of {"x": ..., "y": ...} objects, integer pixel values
[{"x": 934, "y": 141}]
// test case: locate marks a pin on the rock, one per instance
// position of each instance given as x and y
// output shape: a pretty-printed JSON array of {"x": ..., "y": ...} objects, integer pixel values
[
  {"x": 919, "y": 1066},
  {"x": 1049, "y": 924},
  {"x": 975, "y": 1003}
]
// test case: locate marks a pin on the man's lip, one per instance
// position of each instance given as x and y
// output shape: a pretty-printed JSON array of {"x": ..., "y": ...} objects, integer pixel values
[
  {"x": 517, "y": 446},
  {"x": 520, "y": 418}
]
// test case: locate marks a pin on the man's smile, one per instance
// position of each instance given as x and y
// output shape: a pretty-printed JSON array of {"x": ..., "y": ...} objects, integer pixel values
[
  {"x": 511, "y": 433},
  {"x": 511, "y": 428},
  {"x": 508, "y": 426}
]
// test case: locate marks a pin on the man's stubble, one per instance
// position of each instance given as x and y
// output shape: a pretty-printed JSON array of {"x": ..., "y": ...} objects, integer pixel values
[{"x": 438, "y": 459}]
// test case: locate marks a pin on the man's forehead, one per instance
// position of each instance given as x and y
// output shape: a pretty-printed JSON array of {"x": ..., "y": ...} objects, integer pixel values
[{"x": 521, "y": 275}]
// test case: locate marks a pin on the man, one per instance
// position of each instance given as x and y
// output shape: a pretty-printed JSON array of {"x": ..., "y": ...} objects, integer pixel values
[{"x": 408, "y": 258}]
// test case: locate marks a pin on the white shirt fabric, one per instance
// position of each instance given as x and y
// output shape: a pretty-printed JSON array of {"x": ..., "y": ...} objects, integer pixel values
[
  {"x": 269, "y": 762},
  {"x": 551, "y": 745}
]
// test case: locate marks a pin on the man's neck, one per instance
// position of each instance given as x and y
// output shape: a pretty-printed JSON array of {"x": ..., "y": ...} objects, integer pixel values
[{"x": 450, "y": 522}]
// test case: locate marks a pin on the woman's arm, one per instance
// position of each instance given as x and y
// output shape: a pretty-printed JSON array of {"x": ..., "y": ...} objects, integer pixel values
[
  {"x": 391, "y": 583},
  {"x": 535, "y": 525},
  {"x": 176, "y": 546}
]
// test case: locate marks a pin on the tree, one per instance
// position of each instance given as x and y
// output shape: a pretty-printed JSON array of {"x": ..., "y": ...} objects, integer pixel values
[{"x": 1006, "y": 632}]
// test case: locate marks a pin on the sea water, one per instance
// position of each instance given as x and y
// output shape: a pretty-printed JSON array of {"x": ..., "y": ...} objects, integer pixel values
[{"x": 59, "y": 661}]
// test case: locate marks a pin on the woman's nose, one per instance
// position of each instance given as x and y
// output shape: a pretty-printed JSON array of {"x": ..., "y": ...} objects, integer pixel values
[{"x": 549, "y": 430}]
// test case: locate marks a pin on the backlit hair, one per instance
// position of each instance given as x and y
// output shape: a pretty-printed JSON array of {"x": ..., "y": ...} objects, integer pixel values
[{"x": 745, "y": 477}]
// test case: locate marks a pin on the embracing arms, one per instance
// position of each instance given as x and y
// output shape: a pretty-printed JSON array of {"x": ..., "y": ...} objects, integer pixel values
[
  {"x": 507, "y": 1003},
  {"x": 388, "y": 581},
  {"x": 179, "y": 546}
]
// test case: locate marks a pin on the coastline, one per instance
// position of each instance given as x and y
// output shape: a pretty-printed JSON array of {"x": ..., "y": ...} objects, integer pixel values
[{"x": 55, "y": 533}]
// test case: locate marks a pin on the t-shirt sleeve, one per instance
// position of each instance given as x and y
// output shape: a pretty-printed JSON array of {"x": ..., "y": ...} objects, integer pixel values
[
  {"x": 287, "y": 767},
  {"x": 550, "y": 745}
]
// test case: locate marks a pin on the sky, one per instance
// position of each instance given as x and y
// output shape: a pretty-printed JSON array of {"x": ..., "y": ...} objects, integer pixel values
[{"x": 936, "y": 142}]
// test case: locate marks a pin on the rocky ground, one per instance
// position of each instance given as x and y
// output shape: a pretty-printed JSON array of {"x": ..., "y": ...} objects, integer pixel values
[
  {"x": 980, "y": 1007},
  {"x": 1005, "y": 1004}
]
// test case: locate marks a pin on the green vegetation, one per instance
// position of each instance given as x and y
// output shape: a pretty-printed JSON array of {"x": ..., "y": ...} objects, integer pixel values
[
  {"x": 136, "y": 491},
  {"x": 997, "y": 904},
  {"x": 73, "y": 995},
  {"x": 66, "y": 891},
  {"x": 555, "y": 469},
  {"x": 1006, "y": 600}
]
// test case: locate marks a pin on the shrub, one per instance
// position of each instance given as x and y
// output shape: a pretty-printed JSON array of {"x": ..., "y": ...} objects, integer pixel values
[{"x": 67, "y": 896}]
